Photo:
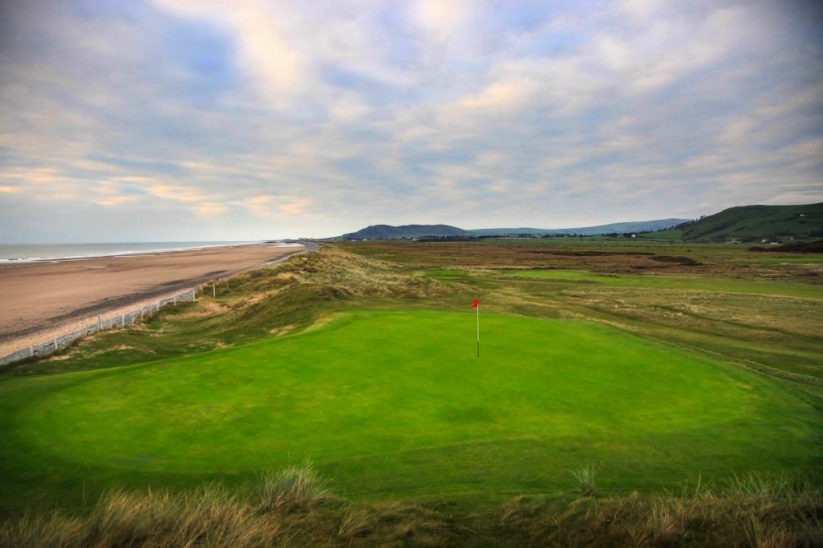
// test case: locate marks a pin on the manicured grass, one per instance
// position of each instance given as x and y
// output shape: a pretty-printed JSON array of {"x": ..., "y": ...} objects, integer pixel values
[
  {"x": 396, "y": 405},
  {"x": 701, "y": 283}
]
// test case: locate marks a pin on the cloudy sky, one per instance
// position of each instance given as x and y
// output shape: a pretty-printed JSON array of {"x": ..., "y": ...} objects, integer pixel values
[{"x": 250, "y": 119}]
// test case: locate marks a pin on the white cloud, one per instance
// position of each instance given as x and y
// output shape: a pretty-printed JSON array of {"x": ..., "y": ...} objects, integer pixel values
[
  {"x": 441, "y": 17},
  {"x": 239, "y": 115},
  {"x": 177, "y": 193},
  {"x": 500, "y": 95},
  {"x": 263, "y": 48}
]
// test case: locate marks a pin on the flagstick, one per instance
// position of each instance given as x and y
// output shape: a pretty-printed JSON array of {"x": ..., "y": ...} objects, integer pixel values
[{"x": 478, "y": 330}]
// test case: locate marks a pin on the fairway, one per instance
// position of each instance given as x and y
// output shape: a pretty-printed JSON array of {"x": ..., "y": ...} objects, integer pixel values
[
  {"x": 696, "y": 283},
  {"x": 396, "y": 404}
]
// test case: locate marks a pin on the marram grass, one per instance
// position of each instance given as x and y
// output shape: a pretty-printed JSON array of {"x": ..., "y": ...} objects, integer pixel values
[{"x": 776, "y": 514}]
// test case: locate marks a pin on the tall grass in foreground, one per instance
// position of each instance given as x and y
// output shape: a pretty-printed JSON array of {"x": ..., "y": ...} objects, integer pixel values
[
  {"x": 294, "y": 508},
  {"x": 751, "y": 512},
  {"x": 586, "y": 480}
]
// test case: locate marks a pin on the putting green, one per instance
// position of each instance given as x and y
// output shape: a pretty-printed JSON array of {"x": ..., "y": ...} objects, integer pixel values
[{"x": 398, "y": 404}]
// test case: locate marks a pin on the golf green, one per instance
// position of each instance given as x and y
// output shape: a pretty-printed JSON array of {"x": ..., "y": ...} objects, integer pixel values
[{"x": 398, "y": 404}]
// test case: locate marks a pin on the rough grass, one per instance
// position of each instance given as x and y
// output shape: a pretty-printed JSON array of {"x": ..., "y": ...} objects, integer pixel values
[
  {"x": 775, "y": 514},
  {"x": 294, "y": 508},
  {"x": 586, "y": 480}
]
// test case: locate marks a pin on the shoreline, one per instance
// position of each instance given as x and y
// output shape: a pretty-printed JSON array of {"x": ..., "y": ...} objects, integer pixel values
[
  {"x": 184, "y": 246},
  {"x": 46, "y": 299}
]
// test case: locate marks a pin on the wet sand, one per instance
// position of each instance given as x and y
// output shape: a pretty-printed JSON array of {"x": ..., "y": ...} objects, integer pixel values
[{"x": 41, "y": 300}]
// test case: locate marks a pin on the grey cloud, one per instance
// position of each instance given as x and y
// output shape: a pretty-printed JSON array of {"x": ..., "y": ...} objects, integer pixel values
[{"x": 541, "y": 117}]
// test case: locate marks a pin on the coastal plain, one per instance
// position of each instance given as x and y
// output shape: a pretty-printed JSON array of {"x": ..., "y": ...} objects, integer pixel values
[
  {"x": 646, "y": 377},
  {"x": 44, "y": 299}
]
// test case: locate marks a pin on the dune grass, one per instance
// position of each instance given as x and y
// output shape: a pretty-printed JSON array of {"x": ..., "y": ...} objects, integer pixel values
[
  {"x": 396, "y": 404},
  {"x": 293, "y": 508}
]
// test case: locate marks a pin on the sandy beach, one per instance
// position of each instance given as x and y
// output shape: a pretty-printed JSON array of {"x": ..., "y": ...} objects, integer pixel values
[{"x": 40, "y": 300}]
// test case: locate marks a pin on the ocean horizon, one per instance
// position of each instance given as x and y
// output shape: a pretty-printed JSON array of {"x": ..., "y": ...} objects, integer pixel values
[{"x": 25, "y": 253}]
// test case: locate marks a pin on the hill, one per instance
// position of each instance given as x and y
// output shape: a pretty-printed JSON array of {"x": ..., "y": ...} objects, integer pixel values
[
  {"x": 754, "y": 223},
  {"x": 387, "y": 232},
  {"x": 639, "y": 226}
]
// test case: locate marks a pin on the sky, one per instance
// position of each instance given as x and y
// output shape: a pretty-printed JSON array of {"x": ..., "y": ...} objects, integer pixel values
[{"x": 194, "y": 120}]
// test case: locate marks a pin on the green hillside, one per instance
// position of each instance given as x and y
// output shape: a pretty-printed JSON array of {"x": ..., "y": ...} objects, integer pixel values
[
  {"x": 636, "y": 226},
  {"x": 754, "y": 223},
  {"x": 387, "y": 232}
]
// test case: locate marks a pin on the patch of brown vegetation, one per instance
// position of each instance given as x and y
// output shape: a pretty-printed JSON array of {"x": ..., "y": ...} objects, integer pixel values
[
  {"x": 299, "y": 511},
  {"x": 608, "y": 257}
]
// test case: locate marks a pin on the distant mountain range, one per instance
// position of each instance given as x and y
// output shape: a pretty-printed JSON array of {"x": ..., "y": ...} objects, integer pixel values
[
  {"x": 387, "y": 232},
  {"x": 745, "y": 223},
  {"x": 619, "y": 228}
]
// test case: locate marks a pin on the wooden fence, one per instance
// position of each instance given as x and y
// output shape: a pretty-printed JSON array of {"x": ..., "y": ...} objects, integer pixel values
[{"x": 120, "y": 320}]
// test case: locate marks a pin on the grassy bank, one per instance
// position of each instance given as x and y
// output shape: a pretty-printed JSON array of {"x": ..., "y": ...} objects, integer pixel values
[{"x": 295, "y": 508}]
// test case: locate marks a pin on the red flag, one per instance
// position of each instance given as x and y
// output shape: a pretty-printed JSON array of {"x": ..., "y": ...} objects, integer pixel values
[{"x": 476, "y": 303}]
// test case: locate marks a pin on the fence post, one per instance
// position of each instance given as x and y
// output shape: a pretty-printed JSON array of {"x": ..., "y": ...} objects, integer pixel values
[
  {"x": 31, "y": 348},
  {"x": 55, "y": 344},
  {"x": 100, "y": 321},
  {"x": 194, "y": 295},
  {"x": 141, "y": 314},
  {"x": 213, "y": 291},
  {"x": 175, "y": 300}
]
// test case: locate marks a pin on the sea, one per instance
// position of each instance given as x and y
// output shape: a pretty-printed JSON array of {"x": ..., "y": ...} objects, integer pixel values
[{"x": 24, "y": 253}]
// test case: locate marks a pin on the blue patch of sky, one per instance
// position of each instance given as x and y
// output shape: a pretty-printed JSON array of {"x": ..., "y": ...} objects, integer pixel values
[
  {"x": 94, "y": 9},
  {"x": 400, "y": 41},
  {"x": 207, "y": 57},
  {"x": 553, "y": 43},
  {"x": 310, "y": 115},
  {"x": 802, "y": 25},
  {"x": 416, "y": 165},
  {"x": 425, "y": 162},
  {"x": 343, "y": 78},
  {"x": 357, "y": 134},
  {"x": 153, "y": 134},
  {"x": 6, "y": 154},
  {"x": 361, "y": 168},
  {"x": 520, "y": 17},
  {"x": 528, "y": 16},
  {"x": 374, "y": 92},
  {"x": 133, "y": 190}
]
